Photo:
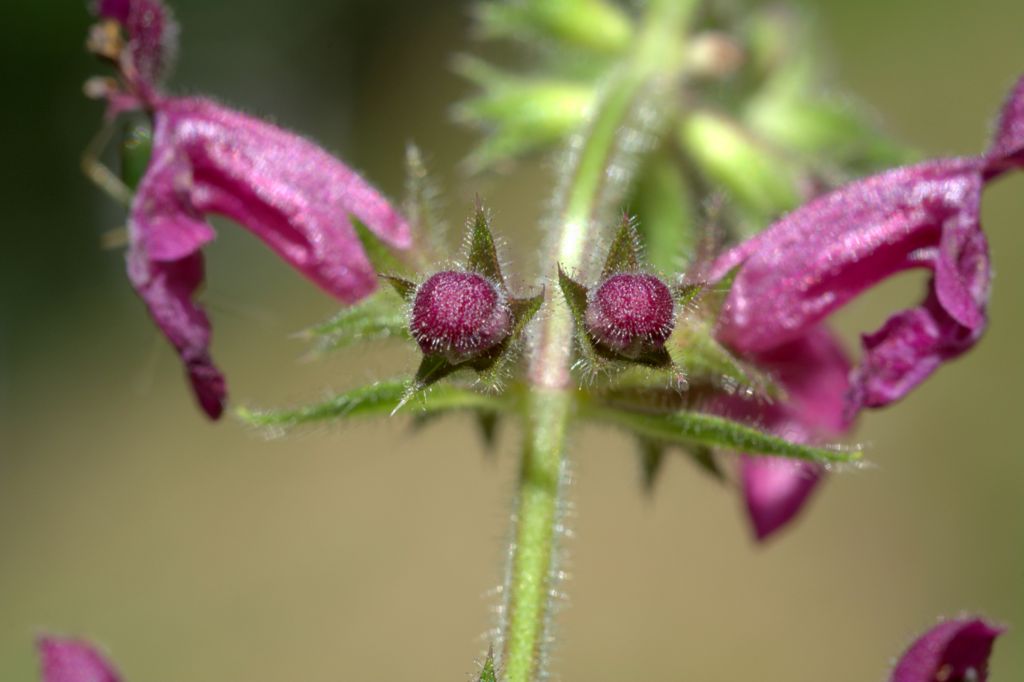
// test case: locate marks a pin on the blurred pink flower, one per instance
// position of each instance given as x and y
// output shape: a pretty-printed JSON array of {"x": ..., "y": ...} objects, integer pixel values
[
  {"x": 953, "y": 651},
  {"x": 207, "y": 159},
  {"x": 69, "y": 660}
]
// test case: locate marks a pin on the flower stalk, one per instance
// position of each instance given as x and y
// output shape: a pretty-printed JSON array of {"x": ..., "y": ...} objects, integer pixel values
[{"x": 657, "y": 58}]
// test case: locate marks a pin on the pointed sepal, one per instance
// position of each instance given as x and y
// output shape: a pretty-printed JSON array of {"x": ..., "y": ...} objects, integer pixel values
[
  {"x": 405, "y": 288},
  {"x": 488, "y": 671},
  {"x": 624, "y": 254},
  {"x": 481, "y": 253}
]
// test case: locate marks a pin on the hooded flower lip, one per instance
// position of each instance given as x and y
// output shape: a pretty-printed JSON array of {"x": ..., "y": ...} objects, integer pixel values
[
  {"x": 69, "y": 660},
  {"x": 208, "y": 159},
  {"x": 953, "y": 651},
  {"x": 829, "y": 251}
]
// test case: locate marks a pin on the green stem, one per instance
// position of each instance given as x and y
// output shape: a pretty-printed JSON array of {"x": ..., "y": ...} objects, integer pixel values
[{"x": 657, "y": 56}]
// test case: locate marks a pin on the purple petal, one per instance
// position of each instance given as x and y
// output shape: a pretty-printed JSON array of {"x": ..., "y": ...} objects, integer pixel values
[
  {"x": 167, "y": 288},
  {"x": 775, "y": 490},
  {"x": 813, "y": 370},
  {"x": 68, "y": 660},
  {"x": 1007, "y": 148},
  {"x": 953, "y": 651},
  {"x": 152, "y": 35},
  {"x": 829, "y": 251},
  {"x": 283, "y": 188}
]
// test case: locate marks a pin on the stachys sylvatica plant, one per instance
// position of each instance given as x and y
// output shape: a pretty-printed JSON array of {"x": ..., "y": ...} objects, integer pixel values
[{"x": 714, "y": 205}]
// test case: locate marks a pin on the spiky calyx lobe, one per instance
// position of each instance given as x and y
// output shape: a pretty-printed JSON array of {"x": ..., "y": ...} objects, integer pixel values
[
  {"x": 631, "y": 313},
  {"x": 459, "y": 315}
]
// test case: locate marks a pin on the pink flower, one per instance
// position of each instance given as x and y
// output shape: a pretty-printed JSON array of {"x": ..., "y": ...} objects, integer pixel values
[
  {"x": 816, "y": 259},
  {"x": 207, "y": 159},
  {"x": 69, "y": 660},
  {"x": 953, "y": 651}
]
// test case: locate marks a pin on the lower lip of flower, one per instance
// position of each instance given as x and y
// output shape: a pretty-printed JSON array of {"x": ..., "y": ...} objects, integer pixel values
[{"x": 459, "y": 315}]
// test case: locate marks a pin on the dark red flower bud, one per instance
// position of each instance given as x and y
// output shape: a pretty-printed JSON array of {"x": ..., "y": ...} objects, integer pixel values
[
  {"x": 459, "y": 315},
  {"x": 631, "y": 314}
]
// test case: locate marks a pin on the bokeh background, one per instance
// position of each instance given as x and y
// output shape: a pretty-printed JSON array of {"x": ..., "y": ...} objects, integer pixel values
[{"x": 204, "y": 553}]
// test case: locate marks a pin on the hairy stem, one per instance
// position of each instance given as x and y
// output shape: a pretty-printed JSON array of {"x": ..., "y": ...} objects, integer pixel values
[{"x": 657, "y": 56}]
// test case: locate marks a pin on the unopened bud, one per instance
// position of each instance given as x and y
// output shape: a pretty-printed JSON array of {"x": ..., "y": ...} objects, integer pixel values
[
  {"x": 631, "y": 314},
  {"x": 459, "y": 315}
]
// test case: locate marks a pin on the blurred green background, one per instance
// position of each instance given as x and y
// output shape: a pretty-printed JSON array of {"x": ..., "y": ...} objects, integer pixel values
[{"x": 204, "y": 553}]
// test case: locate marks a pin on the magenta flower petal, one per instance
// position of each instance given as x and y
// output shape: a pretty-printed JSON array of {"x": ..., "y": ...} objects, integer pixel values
[
  {"x": 286, "y": 190},
  {"x": 953, "y": 651},
  {"x": 152, "y": 36},
  {"x": 68, "y": 660},
  {"x": 813, "y": 370},
  {"x": 167, "y": 288},
  {"x": 832, "y": 249}
]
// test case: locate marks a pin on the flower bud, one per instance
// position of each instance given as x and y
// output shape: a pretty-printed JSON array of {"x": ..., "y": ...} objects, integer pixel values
[
  {"x": 459, "y": 315},
  {"x": 631, "y": 314}
]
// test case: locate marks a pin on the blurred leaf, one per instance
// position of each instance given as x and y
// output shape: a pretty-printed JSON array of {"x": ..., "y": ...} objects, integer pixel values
[
  {"x": 521, "y": 114},
  {"x": 652, "y": 459},
  {"x": 695, "y": 428},
  {"x": 826, "y": 129},
  {"x": 623, "y": 256},
  {"x": 422, "y": 199},
  {"x": 759, "y": 179},
  {"x": 663, "y": 202},
  {"x": 381, "y": 316},
  {"x": 379, "y": 399},
  {"x": 136, "y": 151},
  {"x": 481, "y": 255},
  {"x": 593, "y": 25},
  {"x": 487, "y": 425}
]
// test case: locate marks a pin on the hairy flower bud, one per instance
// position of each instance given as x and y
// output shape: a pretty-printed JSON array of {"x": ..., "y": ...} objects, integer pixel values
[
  {"x": 459, "y": 315},
  {"x": 631, "y": 314}
]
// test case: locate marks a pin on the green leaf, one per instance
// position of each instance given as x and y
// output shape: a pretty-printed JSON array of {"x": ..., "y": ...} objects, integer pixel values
[
  {"x": 695, "y": 428},
  {"x": 593, "y": 25},
  {"x": 624, "y": 254},
  {"x": 379, "y": 399},
  {"x": 481, "y": 254},
  {"x": 382, "y": 316}
]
